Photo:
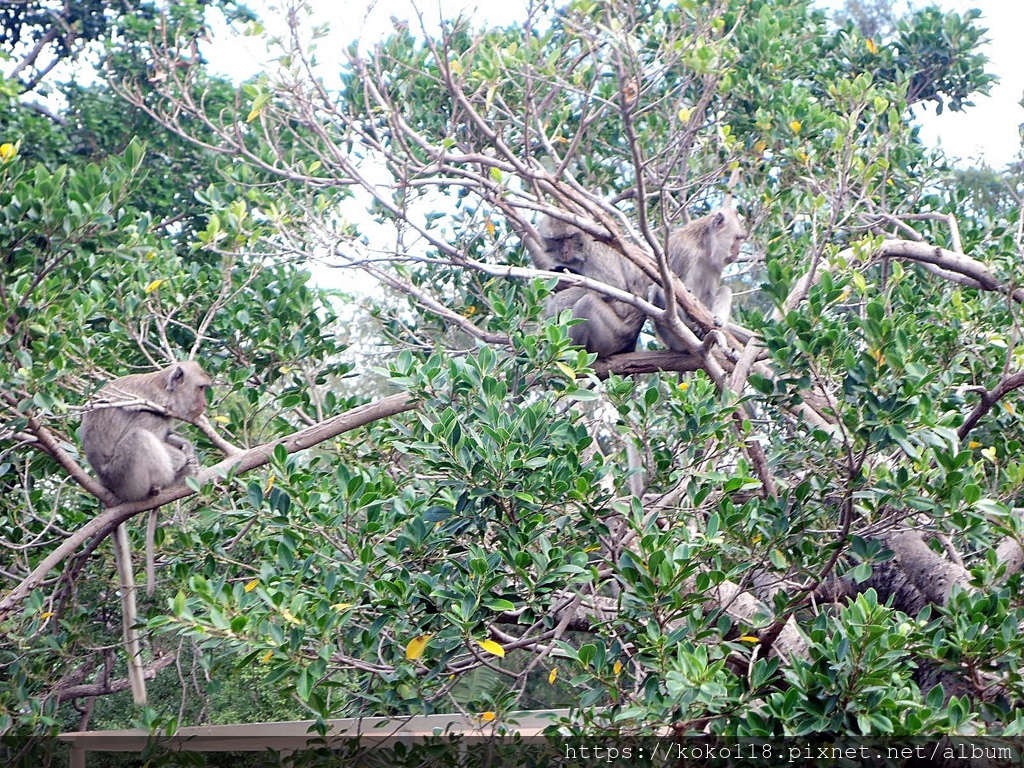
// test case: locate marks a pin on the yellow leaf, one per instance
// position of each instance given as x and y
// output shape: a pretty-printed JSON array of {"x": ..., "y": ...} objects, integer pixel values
[
  {"x": 1009, "y": 408},
  {"x": 252, "y": 585},
  {"x": 222, "y": 419},
  {"x": 267, "y": 657},
  {"x": 684, "y": 114},
  {"x": 760, "y": 147},
  {"x": 341, "y": 606},
  {"x": 795, "y": 126},
  {"x": 974, "y": 444},
  {"x": 749, "y": 639},
  {"x": 253, "y": 114},
  {"x": 870, "y": 45},
  {"x": 489, "y": 226},
  {"x": 7, "y": 151},
  {"x": 488, "y": 716},
  {"x": 270, "y": 484},
  {"x": 492, "y": 647},
  {"x": 154, "y": 285},
  {"x": 553, "y": 676},
  {"x": 46, "y": 615},
  {"x": 683, "y": 386},
  {"x": 416, "y": 647},
  {"x": 289, "y": 616},
  {"x": 565, "y": 369},
  {"x": 617, "y": 668}
]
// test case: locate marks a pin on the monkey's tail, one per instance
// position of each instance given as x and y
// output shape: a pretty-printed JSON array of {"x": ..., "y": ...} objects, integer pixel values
[
  {"x": 129, "y": 614},
  {"x": 150, "y": 556}
]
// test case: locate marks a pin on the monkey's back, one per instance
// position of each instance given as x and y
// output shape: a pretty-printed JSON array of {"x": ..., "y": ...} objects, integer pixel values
[
  {"x": 616, "y": 269},
  {"x": 104, "y": 428},
  {"x": 694, "y": 259}
]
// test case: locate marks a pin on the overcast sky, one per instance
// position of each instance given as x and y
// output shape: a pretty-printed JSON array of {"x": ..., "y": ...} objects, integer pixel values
[{"x": 988, "y": 131}]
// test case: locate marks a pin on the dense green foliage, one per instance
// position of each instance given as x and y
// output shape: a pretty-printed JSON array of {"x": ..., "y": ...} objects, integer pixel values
[{"x": 488, "y": 551}]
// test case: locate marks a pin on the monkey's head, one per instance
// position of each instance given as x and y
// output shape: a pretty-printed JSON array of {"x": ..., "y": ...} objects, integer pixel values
[
  {"x": 186, "y": 384},
  {"x": 727, "y": 233},
  {"x": 563, "y": 242}
]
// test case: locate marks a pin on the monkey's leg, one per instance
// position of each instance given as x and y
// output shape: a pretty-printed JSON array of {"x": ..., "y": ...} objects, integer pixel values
[
  {"x": 150, "y": 556},
  {"x": 141, "y": 465},
  {"x": 183, "y": 463},
  {"x": 604, "y": 331},
  {"x": 657, "y": 297},
  {"x": 129, "y": 614}
]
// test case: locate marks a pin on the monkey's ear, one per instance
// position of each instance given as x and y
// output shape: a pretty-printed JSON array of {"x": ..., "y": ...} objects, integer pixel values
[
  {"x": 176, "y": 377},
  {"x": 719, "y": 220}
]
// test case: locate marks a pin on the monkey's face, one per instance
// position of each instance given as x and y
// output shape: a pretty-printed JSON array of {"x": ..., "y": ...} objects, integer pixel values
[
  {"x": 187, "y": 385},
  {"x": 731, "y": 234},
  {"x": 201, "y": 387},
  {"x": 564, "y": 249},
  {"x": 737, "y": 241}
]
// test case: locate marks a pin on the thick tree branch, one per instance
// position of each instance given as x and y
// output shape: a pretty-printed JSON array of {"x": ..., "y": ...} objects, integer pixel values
[{"x": 104, "y": 688}]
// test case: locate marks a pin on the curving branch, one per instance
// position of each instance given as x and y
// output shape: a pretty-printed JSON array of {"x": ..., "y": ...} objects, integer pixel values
[
  {"x": 988, "y": 399},
  {"x": 247, "y": 460}
]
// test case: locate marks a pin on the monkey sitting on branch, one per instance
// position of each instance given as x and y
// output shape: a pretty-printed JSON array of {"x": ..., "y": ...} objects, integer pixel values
[
  {"x": 697, "y": 254},
  {"x": 128, "y": 433},
  {"x": 129, "y": 441},
  {"x": 609, "y": 326}
]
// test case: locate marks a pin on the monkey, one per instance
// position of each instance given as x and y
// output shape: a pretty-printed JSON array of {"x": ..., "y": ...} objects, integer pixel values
[
  {"x": 609, "y": 326},
  {"x": 130, "y": 444},
  {"x": 697, "y": 254},
  {"x": 132, "y": 447}
]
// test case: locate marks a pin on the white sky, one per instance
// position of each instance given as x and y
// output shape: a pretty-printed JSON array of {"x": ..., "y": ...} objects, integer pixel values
[
  {"x": 989, "y": 130},
  {"x": 986, "y": 132}
]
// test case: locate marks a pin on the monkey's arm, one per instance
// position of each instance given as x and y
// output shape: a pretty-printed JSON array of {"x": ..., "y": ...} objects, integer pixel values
[
  {"x": 175, "y": 440},
  {"x": 608, "y": 328},
  {"x": 722, "y": 306}
]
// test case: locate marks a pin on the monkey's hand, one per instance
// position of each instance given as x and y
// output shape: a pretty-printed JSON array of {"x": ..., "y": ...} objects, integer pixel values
[
  {"x": 185, "y": 462},
  {"x": 711, "y": 339},
  {"x": 175, "y": 440}
]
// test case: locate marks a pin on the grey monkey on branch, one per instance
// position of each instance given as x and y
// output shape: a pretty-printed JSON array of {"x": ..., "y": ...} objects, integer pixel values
[
  {"x": 128, "y": 433},
  {"x": 129, "y": 441},
  {"x": 697, "y": 254},
  {"x": 609, "y": 326}
]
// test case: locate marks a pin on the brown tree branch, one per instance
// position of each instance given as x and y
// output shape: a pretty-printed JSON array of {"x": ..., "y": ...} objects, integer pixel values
[
  {"x": 89, "y": 690},
  {"x": 988, "y": 399}
]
